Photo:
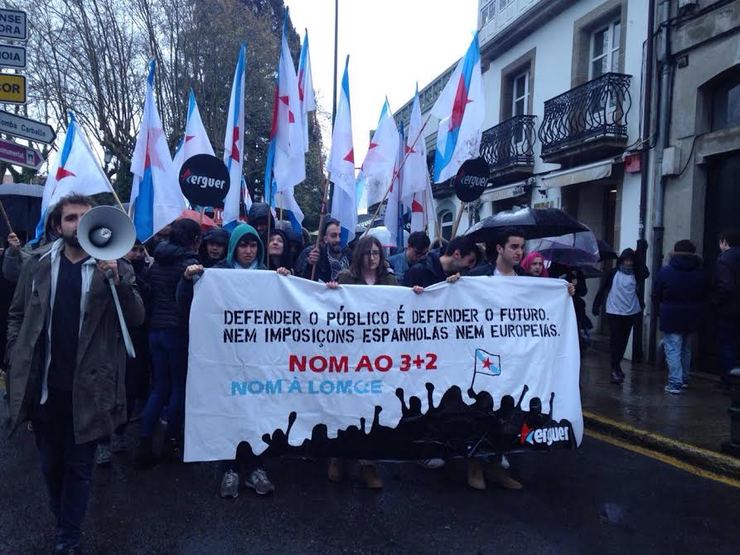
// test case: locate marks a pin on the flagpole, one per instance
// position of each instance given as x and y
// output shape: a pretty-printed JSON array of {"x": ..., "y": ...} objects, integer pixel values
[
  {"x": 457, "y": 219},
  {"x": 397, "y": 172},
  {"x": 5, "y": 217},
  {"x": 325, "y": 192}
]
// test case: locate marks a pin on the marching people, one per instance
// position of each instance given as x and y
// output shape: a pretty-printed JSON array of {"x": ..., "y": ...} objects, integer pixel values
[
  {"x": 534, "y": 265},
  {"x": 726, "y": 301},
  {"x": 680, "y": 290},
  {"x": 618, "y": 294},
  {"x": 329, "y": 259},
  {"x": 245, "y": 252},
  {"x": 168, "y": 340},
  {"x": 67, "y": 361},
  {"x": 213, "y": 247},
  {"x": 368, "y": 268},
  {"x": 459, "y": 255},
  {"x": 415, "y": 251}
]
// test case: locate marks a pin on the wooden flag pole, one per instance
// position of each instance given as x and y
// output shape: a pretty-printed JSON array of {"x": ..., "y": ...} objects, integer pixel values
[
  {"x": 5, "y": 217},
  {"x": 322, "y": 217},
  {"x": 457, "y": 219}
]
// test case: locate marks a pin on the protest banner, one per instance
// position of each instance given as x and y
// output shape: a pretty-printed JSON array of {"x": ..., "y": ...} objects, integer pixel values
[{"x": 485, "y": 365}]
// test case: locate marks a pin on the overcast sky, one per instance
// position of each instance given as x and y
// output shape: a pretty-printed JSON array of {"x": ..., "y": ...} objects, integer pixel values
[{"x": 392, "y": 44}]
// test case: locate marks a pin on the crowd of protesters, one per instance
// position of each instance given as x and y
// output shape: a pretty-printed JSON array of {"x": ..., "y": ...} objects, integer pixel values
[{"x": 58, "y": 286}]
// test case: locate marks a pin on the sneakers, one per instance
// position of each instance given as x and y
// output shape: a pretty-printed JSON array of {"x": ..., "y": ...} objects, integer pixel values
[
  {"x": 369, "y": 475},
  {"x": 103, "y": 456},
  {"x": 230, "y": 485},
  {"x": 672, "y": 389},
  {"x": 117, "y": 443},
  {"x": 431, "y": 464},
  {"x": 259, "y": 482}
]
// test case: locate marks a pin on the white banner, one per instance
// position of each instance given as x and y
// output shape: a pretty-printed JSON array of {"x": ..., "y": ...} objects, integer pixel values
[{"x": 285, "y": 363}]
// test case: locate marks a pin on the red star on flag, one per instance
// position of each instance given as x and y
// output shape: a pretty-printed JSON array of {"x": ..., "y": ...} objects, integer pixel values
[
  {"x": 286, "y": 100},
  {"x": 416, "y": 206},
  {"x": 62, "y": 173},
  {"x": 487, "y": 363},
  {"x": 458, "y": 107},
  {"x": 372, "y": 145},
  {"x": 408, "y": 150},
  {"x": 235, "y": 145},
  {"x": 188, "y": 137},
  {"x": 152, "y": 158},
  {"x": 350, "y": 157},
  {"x": 523, "y": 433}
]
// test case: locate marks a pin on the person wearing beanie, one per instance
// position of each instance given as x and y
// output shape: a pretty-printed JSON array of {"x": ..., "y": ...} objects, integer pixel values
[
  {"x": 623, "y": 306},
  {"x": 680, "y": 290},
  {"x": 213, "y": 247}
]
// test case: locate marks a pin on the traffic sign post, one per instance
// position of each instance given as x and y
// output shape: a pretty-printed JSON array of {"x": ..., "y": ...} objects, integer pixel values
[
  {"x": 25, "y": 128},
  {"x": 13, "y": 24},
  {"x": 20, "y": 155},
  {"x": 12, "y": 88},
  {"x": 12, "y": 56}
]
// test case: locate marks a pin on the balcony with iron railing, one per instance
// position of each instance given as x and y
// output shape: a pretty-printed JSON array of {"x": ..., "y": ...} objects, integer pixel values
[
  {"x": 509, "y": 149},
  {"x": 588, "y": 122}
]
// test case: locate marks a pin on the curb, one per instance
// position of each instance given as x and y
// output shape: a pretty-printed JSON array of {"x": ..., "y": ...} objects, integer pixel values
[{"x": 705, "y": 459}]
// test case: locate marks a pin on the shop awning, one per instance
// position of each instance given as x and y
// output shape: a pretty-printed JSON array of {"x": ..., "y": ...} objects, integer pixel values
[
  {"x": 502, "y": 193},
  {"x": 580, "y": 174}
]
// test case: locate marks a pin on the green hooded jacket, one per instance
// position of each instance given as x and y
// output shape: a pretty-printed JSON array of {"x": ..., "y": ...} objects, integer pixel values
[{"x": 240, "y": 231}]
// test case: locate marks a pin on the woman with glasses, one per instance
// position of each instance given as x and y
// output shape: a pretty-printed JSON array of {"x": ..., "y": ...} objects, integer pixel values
[{"x": 368, "y": 267}]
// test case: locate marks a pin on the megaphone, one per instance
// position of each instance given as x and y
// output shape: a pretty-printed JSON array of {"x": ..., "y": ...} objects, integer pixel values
[{"x": 107, "y": 233}]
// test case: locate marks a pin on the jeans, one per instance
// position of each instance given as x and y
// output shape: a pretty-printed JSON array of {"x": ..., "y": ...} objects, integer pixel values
[
  {"x": 67, "y": 467},
  {"x": 620, "y": 328},
  {"x": 677, "y": 348},
  {"x": 727, "y": 336},
  {"x": 169, "y": 352}
]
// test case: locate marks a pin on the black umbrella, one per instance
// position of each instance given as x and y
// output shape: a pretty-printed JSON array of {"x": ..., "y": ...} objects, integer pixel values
[
  {"x": 534, "y": 223},
  {"x": 606, "y": 251}
]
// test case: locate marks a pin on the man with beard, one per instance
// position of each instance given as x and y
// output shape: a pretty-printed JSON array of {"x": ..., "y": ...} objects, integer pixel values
[
  {"x": 68, "y": 360},
  {"x": 329, "y": 259}
]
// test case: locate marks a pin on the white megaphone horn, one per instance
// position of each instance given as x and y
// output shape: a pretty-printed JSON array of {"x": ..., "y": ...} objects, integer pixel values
[{"x": 107, "y": 233}]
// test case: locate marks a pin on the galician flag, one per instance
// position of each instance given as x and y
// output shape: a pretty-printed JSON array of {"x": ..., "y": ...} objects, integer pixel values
[
  {"x": 305, "y": 87},
  {"x": 286, "y": 159},
  {"x": 342, "y": 164},
  {"x": 461, "y": 109},
  {"x": 234, "y": 140},
  {"x": 423, "y": 214},
  {"x": 195, "y": 141},
  {"x": 74, "y": 170},
  {"x": 155, "y": 199},
  {"x": 393, "y": 210},
  {"x": 380, "y": 160}
]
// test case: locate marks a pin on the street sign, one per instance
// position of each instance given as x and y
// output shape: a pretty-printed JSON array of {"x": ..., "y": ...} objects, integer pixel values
[
  {"x": 12, "y": 56},
  {"x": 12, "y": 88},
  {"x": 13, "y": 24},
  {"x": 20, "y": 155},
  {"x": 26, "y": 128}
]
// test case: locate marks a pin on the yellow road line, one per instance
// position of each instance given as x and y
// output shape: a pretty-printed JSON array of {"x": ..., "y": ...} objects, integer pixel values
[{"x": 667, "y": 459}]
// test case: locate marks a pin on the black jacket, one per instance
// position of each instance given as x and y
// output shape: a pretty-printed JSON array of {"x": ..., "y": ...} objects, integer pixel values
[
  {"x": 641, "y": 274},
  {"x": 170, "y": 262},
  {"x": 726, "y": 288},
  {"x": 489, "y": 268},
  {"x": 323, "y": 267},
  {"x": 427, "y": 272},
  {"x": 681, "y": 288}
]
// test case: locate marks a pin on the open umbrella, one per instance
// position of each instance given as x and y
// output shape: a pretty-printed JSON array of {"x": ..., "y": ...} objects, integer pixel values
[
  {"x": 572, "y": 249},
  {"x": 204, "y": 221},
  {"x": 606, "y": 251},
  {"x": 534, "y": 223}
]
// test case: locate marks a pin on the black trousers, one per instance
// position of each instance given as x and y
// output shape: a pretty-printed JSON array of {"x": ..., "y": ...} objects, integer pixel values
[{"x": 620, "y": 328}]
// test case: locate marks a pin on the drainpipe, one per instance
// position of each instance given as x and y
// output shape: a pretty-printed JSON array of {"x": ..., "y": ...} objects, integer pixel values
[
  {"x": 664, "y": 126},
  {"x": 647, "y": 105}
]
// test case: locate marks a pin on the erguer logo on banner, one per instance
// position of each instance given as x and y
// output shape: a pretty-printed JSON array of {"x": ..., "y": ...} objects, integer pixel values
[{"x": 204, "y": 181}]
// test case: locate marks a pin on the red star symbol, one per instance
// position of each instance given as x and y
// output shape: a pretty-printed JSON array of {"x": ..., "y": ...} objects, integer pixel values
[
  {"x": 286, "y": 100},
  {"x": 487, "y": 363},
  {"x": 458, "y": 107},
  {"x": 62, "y": 173},
  {"x": 235, "y": 145},
  {"x": 188, "y": 137},
  {"x": 372, "y": 145},
  {"x": 416, "y": 206},
  {"x": 350, "y": 157},
  {"x": 408, "y": 150},
  {"x": 523, "y": 433},
  {"x": 152, "y": 158}
]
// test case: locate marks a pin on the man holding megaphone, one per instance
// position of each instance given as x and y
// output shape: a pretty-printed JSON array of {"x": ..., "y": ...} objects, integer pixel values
[{"x": 67, "y": 352}]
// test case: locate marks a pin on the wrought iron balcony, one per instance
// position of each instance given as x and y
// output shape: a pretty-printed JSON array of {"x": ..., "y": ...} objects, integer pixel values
[
  {"x": 509, "y": 147},
  {"x": 587, "y": 121}
]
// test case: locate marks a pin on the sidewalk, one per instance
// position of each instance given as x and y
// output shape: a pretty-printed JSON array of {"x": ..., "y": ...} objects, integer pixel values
[{"x": 690, "y": 427}]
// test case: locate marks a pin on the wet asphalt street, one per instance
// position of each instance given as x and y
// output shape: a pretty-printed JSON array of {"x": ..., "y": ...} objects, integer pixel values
[{"x": 599, "y": 499}]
